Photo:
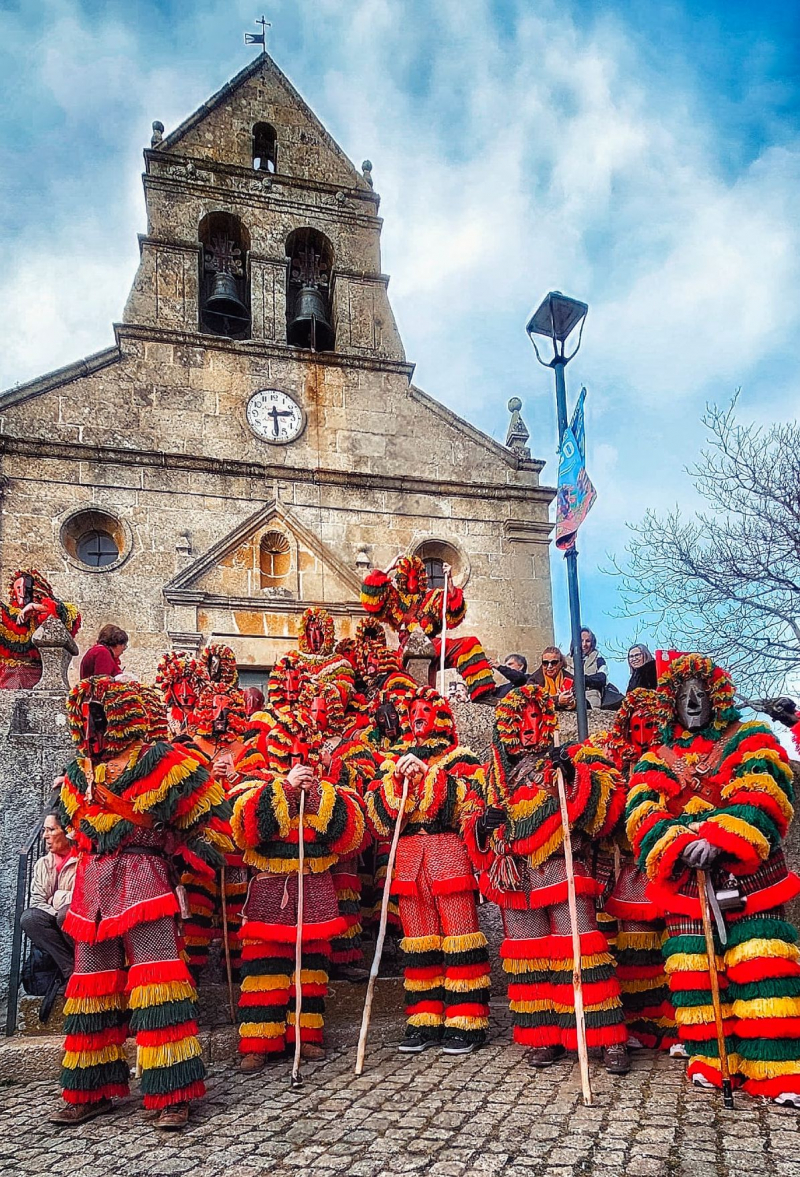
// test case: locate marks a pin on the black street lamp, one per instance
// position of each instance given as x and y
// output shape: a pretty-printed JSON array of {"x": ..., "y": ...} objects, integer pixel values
[{"x": 557, "y": 318}]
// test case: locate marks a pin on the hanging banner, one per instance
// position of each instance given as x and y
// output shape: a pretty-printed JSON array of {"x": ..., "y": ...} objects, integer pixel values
[{"x": 575, "y": 491}]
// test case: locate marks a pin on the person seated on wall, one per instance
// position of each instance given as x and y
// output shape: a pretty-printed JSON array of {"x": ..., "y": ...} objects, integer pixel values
[
  {"x": 104, "y": 656},
  {"x": 556, "y": 678},
  {"x": 643, "y": 669},
  {"x": 515, "y": 669},
  {"x": 42, "y": 922},
  {"x": 31, "y": 602}
]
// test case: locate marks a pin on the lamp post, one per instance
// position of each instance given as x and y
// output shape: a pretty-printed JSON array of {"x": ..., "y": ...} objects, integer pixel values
[{"x": 556, "y": 319}]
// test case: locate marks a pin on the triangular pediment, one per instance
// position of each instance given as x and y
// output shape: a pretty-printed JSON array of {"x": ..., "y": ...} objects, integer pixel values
[
  {"x": 221, "y": 128},
  {"x": 271, "y": 558}
]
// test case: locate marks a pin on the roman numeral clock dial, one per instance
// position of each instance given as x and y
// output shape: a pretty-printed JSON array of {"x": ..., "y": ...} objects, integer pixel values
[{"x": 275, "y": 417}]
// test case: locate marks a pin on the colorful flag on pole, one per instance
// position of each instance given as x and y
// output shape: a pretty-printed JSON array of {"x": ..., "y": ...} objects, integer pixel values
[{"x": 575, "y": 492}]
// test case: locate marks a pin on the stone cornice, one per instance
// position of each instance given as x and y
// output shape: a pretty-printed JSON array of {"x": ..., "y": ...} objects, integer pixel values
[
  {"x": 201, "y": 599},
  {"x": 61, "y": 376},
  {"x": 230, "y": 467}
]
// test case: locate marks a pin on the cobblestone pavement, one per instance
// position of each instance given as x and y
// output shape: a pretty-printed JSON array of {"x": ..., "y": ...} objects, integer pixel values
[{"x": 487, "y": 1113}]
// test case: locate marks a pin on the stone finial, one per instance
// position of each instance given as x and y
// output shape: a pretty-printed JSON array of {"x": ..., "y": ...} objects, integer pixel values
[
  {"x": 57, "y": 648},
  {"x": 158, "y": 134},
  {"x": 518, "y": 432},
  {"x": 418, "y": 654},
  {"x": 363, "y": 562},
  {"x": 366, "y": 172}
]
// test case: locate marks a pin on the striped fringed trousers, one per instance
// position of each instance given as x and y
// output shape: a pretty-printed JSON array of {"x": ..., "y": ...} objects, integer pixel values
[
  {"x": 154, "y": 997},
  {"x": 204, "y": 895},
  {"x": 537, "y": 955},
  {"x": 346, "y": 949},
  {"x": 467, "y": 656},
  {"x": 759, "y": 978},
  {"x": 446, "y": 973},
  {"x": 645, "y": 991},
  {"x": 267, "y": 998}
]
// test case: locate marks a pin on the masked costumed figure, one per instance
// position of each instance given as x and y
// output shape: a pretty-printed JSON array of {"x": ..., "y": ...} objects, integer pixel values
[
  {"x": 716, "y": 795},
  {"x": 288, "y": 677},
  {"x": 131, "y": 806},
  {"x": 215, "y": 732},
  {"x": 446, "y": 962},
  {"x": 31, "y": 601},
  {"x": 349, "y": 764},
  {"x": 406, "y": 603},
  {"x": 180, "y": 679},
  {"x": 267, "y": 829},
  {"x": 218, "y": 662},
  {"x": 519, "y": 844},
  {"x": 641, "y": 930}
]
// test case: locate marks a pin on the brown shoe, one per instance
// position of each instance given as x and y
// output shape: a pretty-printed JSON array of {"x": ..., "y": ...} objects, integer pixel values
[
  {"x": 251, "y": 1064},
  {"x": 545, "y": 1056},
  {"x": 615, "y": 1059},
  {"x": 172, "y": 1118},
  {"x": 312, "y": 1052},
  {"x": 80, "y": 1113}
]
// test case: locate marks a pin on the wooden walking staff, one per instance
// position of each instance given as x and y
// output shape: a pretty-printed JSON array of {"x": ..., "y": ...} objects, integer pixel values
[
  {"x": 297, "y": 1080},
  {"x": 577, "y": 977},
  {"x": 226, "y": 944},
  {"x": 711, "y": 953},
  {"x": 376, "y": 960},
  {"x": 443, "y": 651}
]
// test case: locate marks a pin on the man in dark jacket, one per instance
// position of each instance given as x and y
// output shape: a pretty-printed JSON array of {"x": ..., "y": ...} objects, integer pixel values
[{"x": 515, "y": 669}]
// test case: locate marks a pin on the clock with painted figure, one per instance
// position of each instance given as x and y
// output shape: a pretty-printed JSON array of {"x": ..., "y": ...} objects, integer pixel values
[{"x": 275, "y": 417}]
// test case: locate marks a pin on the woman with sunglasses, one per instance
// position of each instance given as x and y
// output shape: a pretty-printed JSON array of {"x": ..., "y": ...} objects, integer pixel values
[{"x": 555, "y": 677}]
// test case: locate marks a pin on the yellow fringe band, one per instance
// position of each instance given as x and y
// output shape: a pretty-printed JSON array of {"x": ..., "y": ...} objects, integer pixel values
[
  {"x": 143, "y": 996},
  {"x": 309, "y": 1021},
  {"x": 609, "y": 1003},
  {"x": 464, "y": 1023},
  {"x": 75, "y": 1059},
  {"x": 169, "y": 1053},
  {"x": 641, "y": 985},
  {"x": 421, "y": 943},
  {"x": 768, "y": 1007},
  {"x": 529, "y": 1007},
  {"x": 743, "y": 829},
  {"x": 643, "y": 941},
  {"x": 262, "y": 1029},
  {"x": 94, "y": 1005},
  {"x": 757, "y": 949},
  {"x": 265, "y": 984},
  {"x": 463, "y": 943},
  {"x": 466, "y": 984},
  {"x": 700, "y": 1015},
  {"x": 691, "y": 962},
  {"x": 423, "y": 986},
  {"x": 765, "y": 1068},
  {"x": 313, "y": 977},
  {"x": 426, "y": 1020}
]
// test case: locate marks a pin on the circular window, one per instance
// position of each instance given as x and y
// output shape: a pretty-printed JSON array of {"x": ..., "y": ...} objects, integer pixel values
[
  {"x": 97, "y": 549},
  {"x": 95, "y": 540}
]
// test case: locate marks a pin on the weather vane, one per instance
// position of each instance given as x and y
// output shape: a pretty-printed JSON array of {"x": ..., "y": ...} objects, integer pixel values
[{"x": 259, "y": 38}]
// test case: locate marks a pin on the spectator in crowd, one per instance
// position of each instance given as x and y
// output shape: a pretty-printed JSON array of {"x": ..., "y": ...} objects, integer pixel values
[
  {"x": 556, "y": 678},
  {"x": 104, "y": 656},
  {"x": 643, "y": 669},
  {"x": 594, "y": 669},
  {"x": 515, "y": 669},
  {"x": 51, "y": 895},
  {"x": 457, "y": 692}
]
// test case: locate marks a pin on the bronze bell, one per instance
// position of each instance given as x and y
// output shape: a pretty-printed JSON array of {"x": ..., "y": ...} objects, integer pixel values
[
  {"x": 224, "y": 311},
  {"x": 309, "y": 326}
]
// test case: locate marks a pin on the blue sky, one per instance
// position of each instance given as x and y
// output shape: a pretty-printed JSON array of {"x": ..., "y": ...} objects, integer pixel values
[{"x": 642, "y": 157}]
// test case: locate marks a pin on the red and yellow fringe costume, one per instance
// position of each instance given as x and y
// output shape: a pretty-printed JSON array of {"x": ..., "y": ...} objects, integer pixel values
[
  {"x": 142, "y": 806},
  {"x": 524, "y": 872},
  {"x": 406, "y": 602},
  {"x": 20, "y": 661},
  {"x": 266, "y": 828},
  {"x": 446, "y": 974},
  {"x": 641, "y": 930},
  {"x": 741, "y": 803}
]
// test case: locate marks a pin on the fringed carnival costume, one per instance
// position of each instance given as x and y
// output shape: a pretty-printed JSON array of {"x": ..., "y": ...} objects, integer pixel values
[
  {"x": 641, "y": 929},
  {"x": 181, "y": 679},
  {"x": 446, "y": 961},
  {"x": 215, "y": 732},
  {"x": 518, "y": 842},
  {"x": 349, "y": 764},
  {"x": 266, "y": 828},
  {"x": 716, "y": 795},
  {"x": 132, "y": 806},
  {"x": 218, "y": 663},
  {"x": 405, "y": 603},
  {"x": 31, "y": 601}
]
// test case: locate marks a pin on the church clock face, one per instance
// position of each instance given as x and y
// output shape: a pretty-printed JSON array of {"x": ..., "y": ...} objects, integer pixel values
[{"x": 275, "y": 417}]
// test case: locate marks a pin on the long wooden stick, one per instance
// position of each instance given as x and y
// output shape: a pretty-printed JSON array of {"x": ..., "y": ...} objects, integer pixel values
[
  {"x": 443, "y": 651},
  {"x": 226, "y": 944},
  {"x": 711, "y": 952},
  {"x": 298, "y": 944},
  {"x": 577, "y": 977},
  {"x": 376, "y": 960}
]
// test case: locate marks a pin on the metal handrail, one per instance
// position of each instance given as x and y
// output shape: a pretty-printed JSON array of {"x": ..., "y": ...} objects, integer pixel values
[{"x": 30, "y": 851}]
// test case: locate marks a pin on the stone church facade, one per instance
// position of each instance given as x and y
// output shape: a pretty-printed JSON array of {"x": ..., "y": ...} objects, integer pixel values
[{"x": 253, "y": 441}]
